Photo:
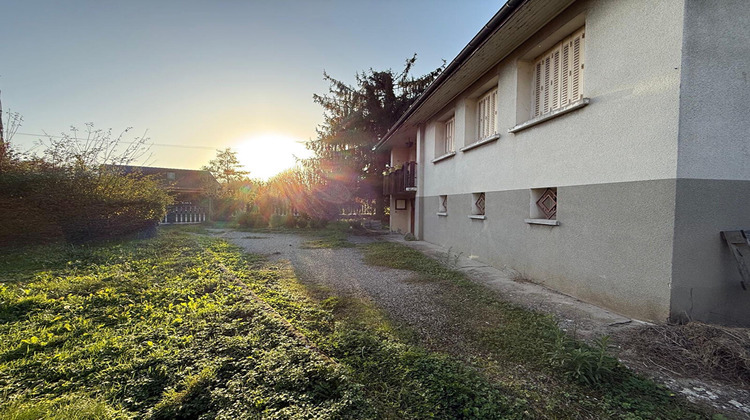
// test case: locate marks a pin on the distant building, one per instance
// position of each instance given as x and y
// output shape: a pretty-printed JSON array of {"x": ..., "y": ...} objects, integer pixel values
[
  {"x": 191, "y": 190},
  {"x": 596, "y": 147}
]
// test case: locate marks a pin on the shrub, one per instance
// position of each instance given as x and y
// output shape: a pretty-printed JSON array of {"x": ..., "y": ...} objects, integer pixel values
[
  {"x": 77, "y": 204},
  {"x": 302, "y": 222},
  {"x": 251, "y": 220},
  {"x": 318, "y": 223},
  {"x": 290, "y": 221},
  {"x": 276, "y": 221}
]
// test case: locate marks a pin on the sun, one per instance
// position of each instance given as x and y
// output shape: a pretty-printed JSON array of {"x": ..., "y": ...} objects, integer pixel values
[{"x": 267, "y": 154}]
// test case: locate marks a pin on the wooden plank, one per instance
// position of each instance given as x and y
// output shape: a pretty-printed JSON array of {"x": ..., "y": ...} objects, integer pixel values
[{"x": 738, "y": 244}]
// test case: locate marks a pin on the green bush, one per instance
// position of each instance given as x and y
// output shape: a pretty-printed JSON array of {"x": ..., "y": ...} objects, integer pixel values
[
  {"x": 252, "y": 220},
  {"x": 276, "y": 221},
  {"x": 318, "y": 223},
  {"x": 76, "y": 205},
  {"x": 290, "y": 221}
]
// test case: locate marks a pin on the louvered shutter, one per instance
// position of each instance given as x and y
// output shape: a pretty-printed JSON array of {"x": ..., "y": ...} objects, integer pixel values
[
  {"x": 565, "y": 74},
  {"x": 538, "y": 89},
  {"x": 554, "y": 84},
  {"x": 493, "y": 113},
  {"x": 576, "y": 66},
  {"x": 449, "y": 133},
  {"x": 558, "y": 75}
]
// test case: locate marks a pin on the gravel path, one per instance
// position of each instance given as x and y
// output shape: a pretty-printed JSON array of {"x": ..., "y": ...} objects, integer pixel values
[{"x": 344, "y": 270}]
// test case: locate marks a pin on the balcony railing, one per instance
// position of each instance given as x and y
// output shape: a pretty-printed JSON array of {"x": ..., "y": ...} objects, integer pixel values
[{"x": 402, "y": 180}]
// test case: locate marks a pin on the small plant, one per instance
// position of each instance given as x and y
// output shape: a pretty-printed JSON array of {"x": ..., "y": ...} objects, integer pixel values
[
  {"x": 410, "y": 237},
  {"x": 590, "y": 365},
  {"x": 449, "y": 259}
]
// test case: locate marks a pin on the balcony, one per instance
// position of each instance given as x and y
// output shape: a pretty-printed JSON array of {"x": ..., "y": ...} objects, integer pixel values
[{"x": 401, "y": 181}]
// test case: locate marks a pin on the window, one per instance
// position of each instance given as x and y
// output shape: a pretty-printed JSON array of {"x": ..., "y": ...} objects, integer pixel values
[
  {"x": 558, "y": 75},
  {"x": 477, "y": 206},
  {"x": 170, "y": 176},
  {"x": 543, "y": 207},
  {"x": 442, "y": 205},
  {"x": 450, "y": 132},
  {"x": 400, "y": 204},
  {"x": 487, "y": 115}
]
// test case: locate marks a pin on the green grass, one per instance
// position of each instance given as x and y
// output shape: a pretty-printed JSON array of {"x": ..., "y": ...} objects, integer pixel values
[
  {"x": 153, "y": 329},
  {"x": 156, "y": 329},
  {"x": 184, "y": 326},
  {"x": 334, "y": 235},
  {"x": 525, "y": 351}
]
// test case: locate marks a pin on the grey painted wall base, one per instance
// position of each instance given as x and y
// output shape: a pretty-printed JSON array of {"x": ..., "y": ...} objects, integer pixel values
[
  {"x": 706, "y": 280},
  {"x": 613, "y": 246},
  {"x": 650, "y": 250}
]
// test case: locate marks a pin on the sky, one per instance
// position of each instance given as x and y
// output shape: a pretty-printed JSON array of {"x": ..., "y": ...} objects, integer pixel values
[{"x": 197, "y": 76}]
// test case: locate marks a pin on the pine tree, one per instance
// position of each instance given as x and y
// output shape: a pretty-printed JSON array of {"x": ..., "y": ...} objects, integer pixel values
[{"x": 356, "y": 117}]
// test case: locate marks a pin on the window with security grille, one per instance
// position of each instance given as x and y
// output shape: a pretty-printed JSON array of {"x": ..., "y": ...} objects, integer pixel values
[
  {"x": 487, "y": 115},
  {"x": 443, "y": 204},
  {"x": 544, "y": 203},
  {"x": 558, "y": 75},
  {"x": 477, "y": 206}
]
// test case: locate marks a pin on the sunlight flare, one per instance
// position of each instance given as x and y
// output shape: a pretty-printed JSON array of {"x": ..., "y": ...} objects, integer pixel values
[{"x": 265, "y": 155}]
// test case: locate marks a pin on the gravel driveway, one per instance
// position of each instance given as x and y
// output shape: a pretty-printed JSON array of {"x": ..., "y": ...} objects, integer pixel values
[{"x": 343, "y": 270}]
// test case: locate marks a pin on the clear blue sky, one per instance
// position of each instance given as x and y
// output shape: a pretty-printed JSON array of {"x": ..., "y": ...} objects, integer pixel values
[{"x": 212, "y": 74}]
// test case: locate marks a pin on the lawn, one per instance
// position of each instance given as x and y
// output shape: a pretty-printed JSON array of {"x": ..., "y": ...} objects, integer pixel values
[
  {"x": 184, "y": 326},
  {"x": 187, "y": 326}
]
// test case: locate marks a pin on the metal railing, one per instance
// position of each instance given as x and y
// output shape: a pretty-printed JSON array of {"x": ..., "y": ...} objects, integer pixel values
[{"x": 401, "y": 180}]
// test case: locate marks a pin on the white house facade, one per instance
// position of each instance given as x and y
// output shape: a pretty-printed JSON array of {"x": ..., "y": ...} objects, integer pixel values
[{"x": 596, "y": 147}]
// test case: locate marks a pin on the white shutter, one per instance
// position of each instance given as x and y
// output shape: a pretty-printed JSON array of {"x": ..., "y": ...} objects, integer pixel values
[
  {"x": 558, "y": 75},
  {"x": 576, "y": 66},
  {"x": 565, "y": 74},
  {"x": 545, "y": 99},
  {"x": 487, "y": 115},
  {"x": 449, "y": 132},
  {"x": 554, "y": 83},
  {"x": 538, "y": 89},
  {"x": 493, "y": 113}
]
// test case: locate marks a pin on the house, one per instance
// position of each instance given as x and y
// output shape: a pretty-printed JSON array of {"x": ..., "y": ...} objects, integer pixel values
[
  {"x": 596, "y": 147},
  {"x": 191, "y": 190}
]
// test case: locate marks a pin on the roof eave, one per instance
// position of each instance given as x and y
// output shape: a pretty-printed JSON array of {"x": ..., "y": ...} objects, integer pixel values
[{"x": 493, "y": 25}]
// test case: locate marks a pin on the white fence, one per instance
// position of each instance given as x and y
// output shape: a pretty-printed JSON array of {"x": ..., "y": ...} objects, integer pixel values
[{"x": 184, "y": 214}]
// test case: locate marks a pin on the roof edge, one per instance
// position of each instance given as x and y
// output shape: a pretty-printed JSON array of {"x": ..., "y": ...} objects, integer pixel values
[{"x": 489, "y": 28}]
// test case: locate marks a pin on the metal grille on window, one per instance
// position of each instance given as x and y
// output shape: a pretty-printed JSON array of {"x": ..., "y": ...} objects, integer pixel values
[
  {"x": 547, "y": 203},
  {"x": 479, "y": 204}
]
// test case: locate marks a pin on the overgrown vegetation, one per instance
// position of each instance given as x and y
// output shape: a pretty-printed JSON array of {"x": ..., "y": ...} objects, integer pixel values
[
  {"x": 526, "y": 352},
  {"x": 68, "y": 193}
]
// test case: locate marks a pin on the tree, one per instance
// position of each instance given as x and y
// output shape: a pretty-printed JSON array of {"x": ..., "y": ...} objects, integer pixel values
[
  {"x": 226, "y": 167},
  {"x": 356, "y": 117}
]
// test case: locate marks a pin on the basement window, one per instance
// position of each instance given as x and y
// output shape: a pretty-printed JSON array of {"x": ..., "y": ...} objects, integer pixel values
[
  {"x": 442, "y": 205},
  {"x": 543, "y": 207},
  {"x": 477, "y": 206}
]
